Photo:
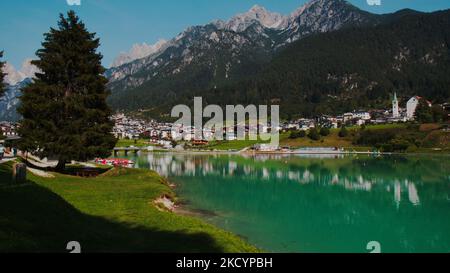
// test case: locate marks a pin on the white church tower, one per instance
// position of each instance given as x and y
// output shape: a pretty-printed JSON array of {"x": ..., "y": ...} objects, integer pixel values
[{"x": 395, "y": 108}]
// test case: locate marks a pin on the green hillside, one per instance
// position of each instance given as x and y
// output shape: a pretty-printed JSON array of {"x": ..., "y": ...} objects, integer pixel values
[{"x": 331, "y": 73}]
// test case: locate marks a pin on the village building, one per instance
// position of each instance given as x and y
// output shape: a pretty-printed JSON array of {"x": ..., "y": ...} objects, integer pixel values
[
  {"x": 411, "y": 106},
  {"x": 266, "y": 148},
  {"x": 395, "y": 107},
  {"x": 347, "y": 117},
  {"x": 8, "y": 129},
  {"x": 362, "y": 115}
]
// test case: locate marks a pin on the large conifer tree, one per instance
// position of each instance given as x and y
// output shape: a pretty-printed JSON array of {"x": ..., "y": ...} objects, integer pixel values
[
  {"x": 65, "y": 115},
  {"x": 2, "y": 75}
]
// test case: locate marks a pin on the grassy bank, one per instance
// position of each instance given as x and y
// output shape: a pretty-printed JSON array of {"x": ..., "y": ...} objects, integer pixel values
[
  {"x": 333, "y": 140},
  {"x": 111, "y": 213},
  {"x": 403, "y": 138},
  {"x": 227, "y": 145},
  {"x": 131, "y": 142}
]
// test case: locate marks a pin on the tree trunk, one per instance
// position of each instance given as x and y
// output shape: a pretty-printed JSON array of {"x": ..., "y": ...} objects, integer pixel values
[{"x": 61, "y": 165}]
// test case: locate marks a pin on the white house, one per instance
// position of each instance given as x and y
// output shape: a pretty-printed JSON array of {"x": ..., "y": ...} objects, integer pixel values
[
  {"x": 265, "y": 147},
  {"x": 362, "y": 115},
  {"x": 411, "y": 106},
  {"x": 360, "y": 122},
  {"x": 348, "y": 117}
]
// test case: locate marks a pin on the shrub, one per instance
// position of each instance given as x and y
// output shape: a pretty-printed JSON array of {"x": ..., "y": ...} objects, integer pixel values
[
  {"x": 314, "y": 134},
  {"x": 375, "y": 137},
  {"x": 387, "y": 148},
  {"x": 400, "y": 145},
  {"x": 424, "y": 113},
  {"x": 324, "y": 131},
  {"x": 297, "y": 134},
  {"x": 343, "y": 132},
  {"x": 412, "y": 149},
  {"x": 438, "y": 113},
  {"x": 293, "y": 135}
]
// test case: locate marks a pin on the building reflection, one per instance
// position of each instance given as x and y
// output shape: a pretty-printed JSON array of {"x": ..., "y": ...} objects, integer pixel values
[{"x": 354, "y": 177}]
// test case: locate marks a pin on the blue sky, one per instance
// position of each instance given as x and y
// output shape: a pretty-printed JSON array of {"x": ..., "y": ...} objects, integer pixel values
[{"x": 122, "y": 23}]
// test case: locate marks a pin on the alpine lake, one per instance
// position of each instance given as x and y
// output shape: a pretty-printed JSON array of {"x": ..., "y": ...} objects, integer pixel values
[{"x": 315, "y": 204}]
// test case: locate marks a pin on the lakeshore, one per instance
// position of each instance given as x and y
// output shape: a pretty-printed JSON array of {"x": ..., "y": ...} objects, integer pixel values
[
  {"x": 374, "y": 139},
  {"x": 293, "y": 152},
  {"x": 118, "y": 211},
  {"x": 142, "y": 204},
  {"x": 206, "y": 203},
  {"x": 315, "y": 203}
]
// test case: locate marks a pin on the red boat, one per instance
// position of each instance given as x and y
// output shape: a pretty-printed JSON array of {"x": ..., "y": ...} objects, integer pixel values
[{"x": 116, "y": 162}]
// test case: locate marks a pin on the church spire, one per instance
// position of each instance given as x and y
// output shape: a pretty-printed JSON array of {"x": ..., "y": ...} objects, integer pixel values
[{"x": 395, "y": 107}]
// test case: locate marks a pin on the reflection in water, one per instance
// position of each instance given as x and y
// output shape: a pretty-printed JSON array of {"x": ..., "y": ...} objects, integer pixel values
[
  {"x": 170, "y": 165},
  {"x": 286, "y": 203},
  {"x": 412, "y": 193}
]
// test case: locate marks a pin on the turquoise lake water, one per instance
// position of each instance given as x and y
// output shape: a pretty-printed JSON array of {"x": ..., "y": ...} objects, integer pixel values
[{"x": 317, "y": 204}]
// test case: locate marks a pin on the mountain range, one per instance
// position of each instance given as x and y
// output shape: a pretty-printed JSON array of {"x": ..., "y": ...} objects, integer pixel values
[
  {"x": 10, "y": 100},
  {"x": 138, "y": 51},
  {"x": 14, "y": 81},
  {"x": 352, "y": 69},
  {"x": 220, "y": 51},
  {"x": 325, "y": 57},
  {"x": 218, "y": 59}
]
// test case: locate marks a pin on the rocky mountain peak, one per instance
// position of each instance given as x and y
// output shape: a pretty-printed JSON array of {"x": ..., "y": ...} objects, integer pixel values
[
  {"x": 224, "y": 46},
  {"x": 324, "y": 16},
  {"x": 138, "y": 51},
  {"x": 258, "y": 14}
]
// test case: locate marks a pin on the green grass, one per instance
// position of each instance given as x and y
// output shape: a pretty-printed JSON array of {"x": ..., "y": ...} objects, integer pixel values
[
  {"x": 232, "y": 145},
  {"x": 333, "y": 140},
  {"x": 380, "y": 126},
  {"x": 132, "y": 142},
  {"x": 111, "y": 213},
  {"x": 235, "y": 145},
  {"x": 430, "y": 140}
]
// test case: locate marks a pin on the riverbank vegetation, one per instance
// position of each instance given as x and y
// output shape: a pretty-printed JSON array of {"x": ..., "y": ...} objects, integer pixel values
[
  {"x": 230, "y": 145},
  {"x": 114, "y": 212},
  {"x": 399, "y": 137},
  {"x": 386, "y": 138}
]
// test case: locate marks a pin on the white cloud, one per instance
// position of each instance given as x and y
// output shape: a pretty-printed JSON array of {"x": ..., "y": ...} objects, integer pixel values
[
  {"x": 374, "y": 2},
  {"x": 74, "y": 2},
  {"x": 15, "y": 76}
]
